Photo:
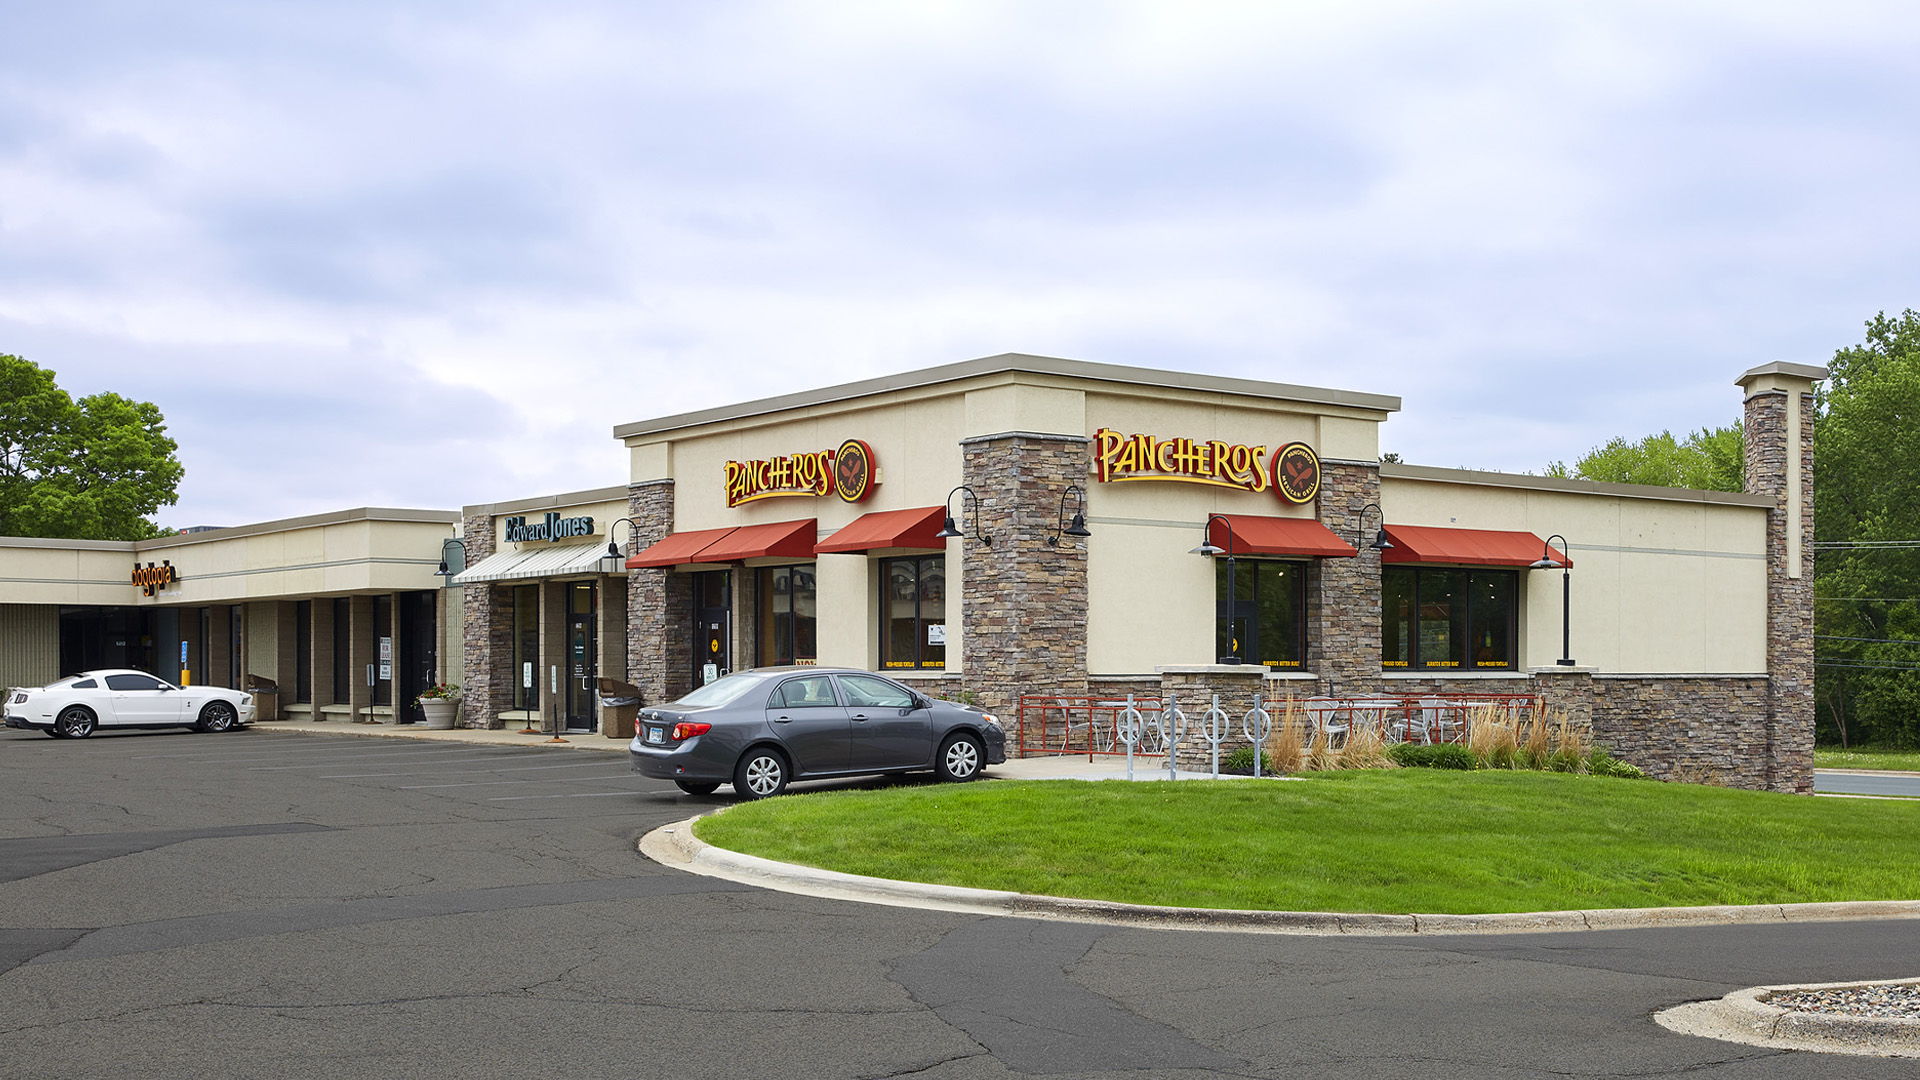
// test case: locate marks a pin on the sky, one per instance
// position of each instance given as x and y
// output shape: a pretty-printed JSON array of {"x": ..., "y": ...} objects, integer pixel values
[{"x": 429, "y": 255}]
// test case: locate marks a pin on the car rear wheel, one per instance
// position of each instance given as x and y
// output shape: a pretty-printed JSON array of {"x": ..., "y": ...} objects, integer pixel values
[
  {"x": 217, "y": 716},
  {"x": 74, "y": 722},
  {"x": 960, "y": 758},
  {"x": 698, "y": 787},
  {"x": 761, "y": 774}
]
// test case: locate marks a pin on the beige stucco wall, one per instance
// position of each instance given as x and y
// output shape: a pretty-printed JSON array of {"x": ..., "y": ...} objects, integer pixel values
[
  {"x": 1149, "y": 600},
  {"x": 34, "y": 571},
  {"x": 1659, "y": 586}
]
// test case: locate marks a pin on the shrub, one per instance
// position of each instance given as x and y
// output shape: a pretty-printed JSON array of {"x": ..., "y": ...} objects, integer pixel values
[
  {"x": 1438, "y": 756},
  {"x": 1601, "y": 763},
  {"x": 1365, "y": 749},
  {"x": 1491, "y": 737},
  {"x": 1286, "y": 746},
  {"x": 1240, "y": 763}
]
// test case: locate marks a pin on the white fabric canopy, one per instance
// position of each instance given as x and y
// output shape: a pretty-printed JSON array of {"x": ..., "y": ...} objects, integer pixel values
[{"x": 557, "y": 560}]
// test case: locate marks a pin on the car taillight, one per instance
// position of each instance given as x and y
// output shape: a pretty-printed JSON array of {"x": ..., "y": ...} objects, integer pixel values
[{"x": 687, "y": 730}]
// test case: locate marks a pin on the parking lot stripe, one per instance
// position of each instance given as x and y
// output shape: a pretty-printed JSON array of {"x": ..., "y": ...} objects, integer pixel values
[{"x": 573, "y": 795}]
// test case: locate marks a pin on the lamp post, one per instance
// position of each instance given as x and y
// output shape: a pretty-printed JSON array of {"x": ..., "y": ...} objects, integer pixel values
[
  {"x": 1548, "y": 562},
  {"x": 1208, "y": 549},
  {"x": 949, "y": 530}
]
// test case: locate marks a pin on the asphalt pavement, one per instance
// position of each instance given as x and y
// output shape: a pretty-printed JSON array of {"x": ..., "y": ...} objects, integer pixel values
[
  {"x": 1851, "y": 782},
  {"x": 267, "y": 903}
]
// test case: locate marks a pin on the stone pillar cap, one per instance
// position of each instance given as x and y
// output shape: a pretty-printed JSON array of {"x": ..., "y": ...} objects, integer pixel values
[{"x": 1809, "y": 372}]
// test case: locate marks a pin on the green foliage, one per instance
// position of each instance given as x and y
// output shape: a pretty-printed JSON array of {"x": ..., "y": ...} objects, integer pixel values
[
  {"x": 1437, "y": 756},
  {"x": 1868, "y": 458},
  {"x": 1240, "y": 763},
  {"x": 93, "y": 469},
  {"x": 1712, "y": 459},
  {"x": 1394, "y": 840},
  {"x": 1601, "y": 763}
]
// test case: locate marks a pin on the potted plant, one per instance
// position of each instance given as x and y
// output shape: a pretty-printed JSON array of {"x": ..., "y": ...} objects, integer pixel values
[{"x": 439, "y": 703}]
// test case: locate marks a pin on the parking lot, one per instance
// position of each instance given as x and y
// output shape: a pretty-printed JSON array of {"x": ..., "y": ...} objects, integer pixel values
[{"x": 174, "y": 904}]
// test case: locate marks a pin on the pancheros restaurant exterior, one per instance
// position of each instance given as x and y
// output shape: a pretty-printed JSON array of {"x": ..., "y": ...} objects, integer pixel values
[
  {"x": 807, "y": 528},
  {"x": 1114, "y": 531}
]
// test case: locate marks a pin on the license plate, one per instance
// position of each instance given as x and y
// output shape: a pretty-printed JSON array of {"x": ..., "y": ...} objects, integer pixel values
[{"x": 656, "y": 735}]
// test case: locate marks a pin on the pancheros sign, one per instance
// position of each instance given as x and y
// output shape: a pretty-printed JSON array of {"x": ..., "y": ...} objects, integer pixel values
[
  {"x": 847, "y": 472},
  {"x": 1293, "y": 471}
]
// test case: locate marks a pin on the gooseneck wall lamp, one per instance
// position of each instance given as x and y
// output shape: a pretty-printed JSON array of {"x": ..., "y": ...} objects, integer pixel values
[
  {"x": 1380, "y": 541},
  {"x": 1548, "y": 562},
  {"x": 445, "y": 571},
  {"x": 1210, "y": 549},
  {"x": 613, "y": 549},
  {"x": 1078, "y": 526},
  {"x": 949, "y": 530}
]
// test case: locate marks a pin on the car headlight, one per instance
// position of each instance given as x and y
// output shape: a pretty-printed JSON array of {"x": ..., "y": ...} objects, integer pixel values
[
  {"x": 991, "y": 719},
  {"x": 246, "y": 699}
]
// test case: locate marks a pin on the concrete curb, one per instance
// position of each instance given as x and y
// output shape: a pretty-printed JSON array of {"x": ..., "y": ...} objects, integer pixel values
[
  {"x": 675, "y": 846},
  {"x": 1745, "y": 1016}
]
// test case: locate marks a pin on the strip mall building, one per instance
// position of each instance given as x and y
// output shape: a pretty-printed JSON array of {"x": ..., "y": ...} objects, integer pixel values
[{"x": 808, "y": 529}]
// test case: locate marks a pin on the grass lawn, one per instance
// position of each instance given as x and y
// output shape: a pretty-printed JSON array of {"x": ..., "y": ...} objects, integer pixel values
[
  {"x": 1406, "y": 840},
  {"x": 1866, "y": 757}
]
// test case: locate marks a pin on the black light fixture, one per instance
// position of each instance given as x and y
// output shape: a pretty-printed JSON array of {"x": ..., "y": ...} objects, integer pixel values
[
  {"x": 451, "y": 541},
  {"x": 613, "y": 549},
  {"x": 948, "y": 530},
  {"x": 1078, "y": 526},
  {"x": 1210, "y": 549},
  {"x": 1380, "y": 541},
  {"x": 1547, "y": 562}
]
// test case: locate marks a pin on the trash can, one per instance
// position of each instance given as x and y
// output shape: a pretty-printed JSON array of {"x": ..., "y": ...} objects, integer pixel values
[
  {"x": 266, "y": 697},
  {"x": 619, "y": 706}
]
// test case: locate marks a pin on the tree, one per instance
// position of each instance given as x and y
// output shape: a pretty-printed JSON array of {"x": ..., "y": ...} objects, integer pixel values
[
  {"x": 1866, "y": 524},
  {"x": 93, "y": 469},
  {"x": 1712, "y": 459}
]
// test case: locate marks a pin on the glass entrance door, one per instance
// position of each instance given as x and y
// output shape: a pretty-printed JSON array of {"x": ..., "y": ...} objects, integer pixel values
[
  {"x": 582, "y": 671},
  {"x": 712, "y": 625}
]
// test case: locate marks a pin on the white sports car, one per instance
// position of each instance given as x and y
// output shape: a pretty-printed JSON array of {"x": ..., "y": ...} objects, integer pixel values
[{"x": 78, "y": 705}]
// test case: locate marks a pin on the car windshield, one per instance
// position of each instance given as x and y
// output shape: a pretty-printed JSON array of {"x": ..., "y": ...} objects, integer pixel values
[{"x": 724, "y": 691}]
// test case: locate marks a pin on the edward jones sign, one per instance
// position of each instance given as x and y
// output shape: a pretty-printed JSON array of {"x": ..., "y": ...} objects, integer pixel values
[{"x": 1292, "y": 471}]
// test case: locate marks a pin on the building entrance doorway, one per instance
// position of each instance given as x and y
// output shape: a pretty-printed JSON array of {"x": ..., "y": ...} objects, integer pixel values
[
  {"x": 582, "y": 650},
  {"x": 419, "y": 660},
  {"x": 712, "y": 625}
]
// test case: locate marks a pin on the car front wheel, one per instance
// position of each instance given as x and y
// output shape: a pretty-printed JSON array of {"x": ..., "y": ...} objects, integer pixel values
[
  {"x": 960, "y": 758},
  {"x": 217, "y": 716},
  {"x": 761, "y": 774},
  {"x": 74, "y": 722}
]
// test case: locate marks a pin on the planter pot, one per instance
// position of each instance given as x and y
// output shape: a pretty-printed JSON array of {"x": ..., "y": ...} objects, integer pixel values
[{"x": 439, "y": 712}]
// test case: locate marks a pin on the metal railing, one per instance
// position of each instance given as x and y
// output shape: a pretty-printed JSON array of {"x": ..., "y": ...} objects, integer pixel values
[{"x": 1057, "y": 724}]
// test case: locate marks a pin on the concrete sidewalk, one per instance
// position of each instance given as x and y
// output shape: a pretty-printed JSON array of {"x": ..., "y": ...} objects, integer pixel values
[{"x": 1034, "y": 768}]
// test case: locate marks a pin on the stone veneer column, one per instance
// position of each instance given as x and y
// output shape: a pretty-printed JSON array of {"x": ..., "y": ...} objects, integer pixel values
[
  {"x": 1779, "y": 438},
  {"x": 486, "y": 630},
  {"x": 659, "y": 604},
  {"x": 1343, "y": 610},
  {"x": 1239, "y": 686},
  {"x": 1023, "y": 602},
  {"x": 360, "y": 654}
]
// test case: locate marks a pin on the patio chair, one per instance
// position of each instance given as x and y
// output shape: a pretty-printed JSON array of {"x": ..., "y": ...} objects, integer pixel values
[{"x": 1328, "y": 717}]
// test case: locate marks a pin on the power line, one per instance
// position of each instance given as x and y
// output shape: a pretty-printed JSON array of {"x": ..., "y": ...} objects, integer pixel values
[
  {"x": 1873, "y": 640},
  {"x": 1838, "y": 545},
  {"x": 1873, "y": 599},
  {"x": 1866, "y": 666}
]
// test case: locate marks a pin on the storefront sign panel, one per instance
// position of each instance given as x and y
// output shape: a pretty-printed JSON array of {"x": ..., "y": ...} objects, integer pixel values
[
  {"x": 847, "y": 471},
  {"x": 1293, "y": 472},
  {"x": 151, "y": 577},
  {"x": 552, "y": 527}
]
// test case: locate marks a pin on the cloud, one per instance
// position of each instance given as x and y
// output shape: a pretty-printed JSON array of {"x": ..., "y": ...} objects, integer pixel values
[{"x": 447, "y": 251}]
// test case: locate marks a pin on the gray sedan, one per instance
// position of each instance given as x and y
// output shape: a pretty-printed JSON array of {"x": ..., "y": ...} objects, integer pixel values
[{"x": 759, "y": 729}]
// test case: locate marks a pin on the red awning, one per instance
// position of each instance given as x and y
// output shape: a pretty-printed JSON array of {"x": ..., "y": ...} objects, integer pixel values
[
  {"x": 890, "y": 529},
  {"x": 1469, "y": 547},
  {"x": 779, "y": 539},
  {"x": 1276, "y": 536}
]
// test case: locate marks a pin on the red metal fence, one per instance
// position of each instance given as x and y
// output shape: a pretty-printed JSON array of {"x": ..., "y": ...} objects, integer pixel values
[{"x": 1066, "y": 724}]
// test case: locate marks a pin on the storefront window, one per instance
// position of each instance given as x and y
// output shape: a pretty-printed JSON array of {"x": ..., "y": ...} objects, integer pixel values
[
  {"x": 786, "y": 618},
  {"x": 525, "y": 675},
  {"x": 1266, "y": 622},
  {"x": 1437, "y": 618},
  {"x": 913, "y": 612}
]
